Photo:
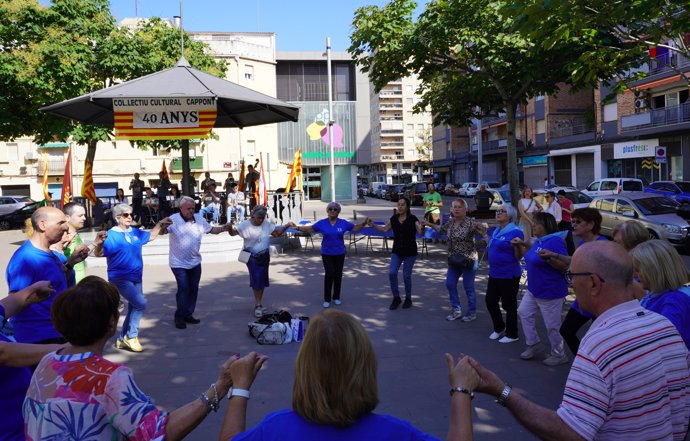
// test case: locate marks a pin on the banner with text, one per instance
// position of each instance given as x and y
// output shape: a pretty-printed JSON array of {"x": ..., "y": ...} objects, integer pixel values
[{"x": 164, "y": 118}]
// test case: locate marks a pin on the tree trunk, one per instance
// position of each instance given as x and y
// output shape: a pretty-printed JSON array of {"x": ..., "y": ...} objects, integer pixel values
[{"x": 511, "y": 161}]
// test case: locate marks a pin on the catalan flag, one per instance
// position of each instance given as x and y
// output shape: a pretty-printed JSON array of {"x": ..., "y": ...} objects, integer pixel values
[
  {"x": 241, "y": 182},
  {"x": 87, "y": 188},
  {"x": 296, "y": 170},
  {"x": 67, "y": 180},
  {"x": 45, "y": 181},
  {"x": 261, "y": 191}
]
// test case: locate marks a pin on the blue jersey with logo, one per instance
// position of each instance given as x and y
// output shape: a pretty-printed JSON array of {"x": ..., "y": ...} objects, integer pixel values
[
  {"x": 543, "y": 281},
  {"x": 502, "y": 261},
  {"x": 333, "y": 242},
  {"x": 123, "y": 251}
]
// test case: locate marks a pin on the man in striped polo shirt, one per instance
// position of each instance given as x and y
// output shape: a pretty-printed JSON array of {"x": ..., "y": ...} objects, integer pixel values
[{"x": 630, "y": 378}]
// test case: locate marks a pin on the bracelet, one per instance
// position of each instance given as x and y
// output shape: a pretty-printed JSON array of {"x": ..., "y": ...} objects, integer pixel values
[
  {"x": 211, "y": 406},
  {"x": 215, "y": 393},
  {"x": 462, "y": 390},
  {"x": 501, "y": 399},
  {"x": 233, "y": 392}
]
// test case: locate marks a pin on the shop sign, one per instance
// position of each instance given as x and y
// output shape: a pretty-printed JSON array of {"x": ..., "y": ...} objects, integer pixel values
[
  {"x": 643, "y": 148},
  {"x": 534, "y": 161}
]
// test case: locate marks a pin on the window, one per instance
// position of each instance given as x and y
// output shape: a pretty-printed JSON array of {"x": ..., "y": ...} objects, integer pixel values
[
  {"x": 409, "y": 101},
  {"x": 12, "y": 152},
  {"x": 541, "y": 126},
  {"x": 420, "y": 126},
  {"x": 607, "y": 204},
  {"x": 609, "y": 186},
  {"x": 410, "y": 126},
  {"x": 248, "y": 72},
  {"x": 611, "y": 112},
  {"x": 594, "y": 186},
  {"x": 251, "y": 148},
  {"x": 624, "y": 208}
]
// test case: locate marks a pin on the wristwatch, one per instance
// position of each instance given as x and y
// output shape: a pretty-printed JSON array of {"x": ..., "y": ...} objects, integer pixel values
[
  {"x": 501, "y": 399},
  {"x": 233, "y": 392}
]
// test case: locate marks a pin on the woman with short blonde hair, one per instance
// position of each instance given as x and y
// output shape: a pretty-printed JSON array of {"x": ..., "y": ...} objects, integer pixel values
[
  {"x": 663, "y": 274},
  {"x": 630, "y": 234}
]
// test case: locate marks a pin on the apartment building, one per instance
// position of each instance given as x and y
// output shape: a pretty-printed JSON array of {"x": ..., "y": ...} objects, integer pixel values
[
  {"x": 397, "y": 133},
  {"x": 302, "y": 79}
]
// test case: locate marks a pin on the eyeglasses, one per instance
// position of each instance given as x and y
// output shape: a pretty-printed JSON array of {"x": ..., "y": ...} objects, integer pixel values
[
  {"x": 569, "y": 276},
  {"x": 501, "y": 211},
  {"x": 333, "y": 209},
  {"x": 126, "y": 215}
]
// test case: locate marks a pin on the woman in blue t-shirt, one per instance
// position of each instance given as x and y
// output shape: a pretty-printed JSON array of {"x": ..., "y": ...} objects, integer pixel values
[
  {"x": 546, "y": 288},
  {"x": 122, "y": 249},
  {"x": 335, "y": 393},
  {"x": 664, "y": 276},
  {"x": 333, "y": 230},
  {"x": 405, "y": 227},
  {"x": 504, "y": 275}
]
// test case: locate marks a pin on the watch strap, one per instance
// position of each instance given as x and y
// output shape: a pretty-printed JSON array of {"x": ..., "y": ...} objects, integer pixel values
[
  {"x": 503, "y": 397},
  {"x": 233, "y": 392}
]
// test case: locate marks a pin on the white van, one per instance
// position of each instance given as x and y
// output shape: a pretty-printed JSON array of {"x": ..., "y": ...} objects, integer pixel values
[
  {"x": 375, "y": 189},
  {"x": 608, "y": 186}
]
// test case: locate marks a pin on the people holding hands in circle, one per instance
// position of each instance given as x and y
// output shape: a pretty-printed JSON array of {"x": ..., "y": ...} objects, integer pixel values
[{"x": 405, "y": 227}]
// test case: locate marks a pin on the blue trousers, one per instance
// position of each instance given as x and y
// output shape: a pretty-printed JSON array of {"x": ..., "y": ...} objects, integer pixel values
[
  {"x": 452, "y": 277},
  {"x": 187, "y": 290},
  {"x": 135, "y": 308},
  {"x": 213, "y": 209},
  {"x": 407, "y": 264}
]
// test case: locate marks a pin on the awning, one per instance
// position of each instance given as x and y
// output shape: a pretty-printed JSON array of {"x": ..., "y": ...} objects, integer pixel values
[
  {"x": 575, "y": 150},
  {"x": 54, "y": 145},
  {"x": 657, "y": 83}
]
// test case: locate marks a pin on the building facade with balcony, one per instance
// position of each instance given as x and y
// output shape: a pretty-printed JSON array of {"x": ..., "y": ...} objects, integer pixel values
[
  {"x": 302, "y": 79},
  {"x": 397, "y": 133}
]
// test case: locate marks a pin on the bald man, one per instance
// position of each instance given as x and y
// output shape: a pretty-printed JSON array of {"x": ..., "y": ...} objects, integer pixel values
[
  {"x": 630, "y": 379},
  {"x": 35, "y": 261}
]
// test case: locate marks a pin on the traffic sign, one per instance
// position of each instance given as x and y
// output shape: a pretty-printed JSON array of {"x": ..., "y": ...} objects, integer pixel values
[{"x": 661, "y": 155}]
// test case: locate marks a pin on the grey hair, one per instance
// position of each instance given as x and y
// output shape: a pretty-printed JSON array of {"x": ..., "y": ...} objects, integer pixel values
[
  {"x": 260, "y": 211},
  {"x": 121, "y": 208},
  {"x": 511, "y": 212},
  {"x": 462, "y": 201},
  {"x": 333, "y": 205},
  {"x": 184, "y": 199}
]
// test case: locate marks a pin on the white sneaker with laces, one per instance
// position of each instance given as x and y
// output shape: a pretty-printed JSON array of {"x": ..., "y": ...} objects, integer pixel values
[
  {"x": 326, "y": 304},
  {"x": 508, "y": 340},
  {"x": 469, "y": 318},
  {"x": 337, "y": 302},
  {"x": 456, "y": 314},
  {"x": 495, "y": 335}
]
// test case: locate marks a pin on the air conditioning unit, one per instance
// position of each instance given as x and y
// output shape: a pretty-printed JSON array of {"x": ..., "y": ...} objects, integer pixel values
[
  {"x": 31, "y": 156},
  {"x": 23, "y": 170},
  {"x": 641, "y": 103}
]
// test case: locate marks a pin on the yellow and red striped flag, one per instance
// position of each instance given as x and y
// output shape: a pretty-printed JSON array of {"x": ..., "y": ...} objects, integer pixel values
[
  {"x": 67, "y": 180},
  {"x": 241, "y": 182},
  {"x": 87, "y": 188},
  {"x": 296, "y": 170},
  {"x": 261, "y": 192},
  {"x": 45, "y": 181}
]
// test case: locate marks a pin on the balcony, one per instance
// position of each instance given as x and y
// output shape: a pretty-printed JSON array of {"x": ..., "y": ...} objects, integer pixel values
[
  {"x": 667, "y": 62},
  {"x": 56, "y": 167},
  {"x": 390, "y": 93},
  {"x": 497, "y": 145},
  {"x": 566, "y": 128},
  {"x": 390, "y": 106},
  {"x": 392, "y": 133},
  {"x": 663, "y": 117},
  {"x": 385, "y": 158},
  {"x": 194, "y": 164}
]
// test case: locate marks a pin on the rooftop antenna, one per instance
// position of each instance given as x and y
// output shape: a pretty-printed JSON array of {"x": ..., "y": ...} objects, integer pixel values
[{"x": 136, "y": 8}]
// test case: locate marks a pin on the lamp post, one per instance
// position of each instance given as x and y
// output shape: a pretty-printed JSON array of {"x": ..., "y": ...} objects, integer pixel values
[{"x": 330, "y": 116}]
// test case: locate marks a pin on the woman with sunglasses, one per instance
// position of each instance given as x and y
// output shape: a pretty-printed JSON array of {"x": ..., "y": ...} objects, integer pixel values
[
  {"x": 586, "y": 227},
  {"x": 333, "y": 250},
  {"x": 122, "y": 249},
  {"x": 553, "y": 207},
  {"x": 504, "y": 276},
  {"x": 546, "y": 288}
]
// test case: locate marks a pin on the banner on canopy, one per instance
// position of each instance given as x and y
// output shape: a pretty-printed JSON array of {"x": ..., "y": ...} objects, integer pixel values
[{"x": 164, "y": 118}]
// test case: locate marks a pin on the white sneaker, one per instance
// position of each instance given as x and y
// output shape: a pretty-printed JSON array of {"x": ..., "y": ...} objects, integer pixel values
[
  {"x": 495, "y": 335},
  {"x": 337, "y": 302},
  {"x": 531, "y": 351},
  {"x": 258, "y": 311},
  {"x": 456, "y": 314},
  {"x": 326, "y": 304},
  {"x": 469, "y": 318},
  {"x": 508, "y": 340},
  {"x": 554, "y": 360}
]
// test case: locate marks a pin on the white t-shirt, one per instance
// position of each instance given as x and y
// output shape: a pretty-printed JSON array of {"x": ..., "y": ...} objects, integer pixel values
[
  {"x": 234, "y": 198},
  {"x": 256, "y": 238},
  {"x": 185, "y": 240},
  {"x": 555, "y": 210},
  {"x": 526, "y": 205}
]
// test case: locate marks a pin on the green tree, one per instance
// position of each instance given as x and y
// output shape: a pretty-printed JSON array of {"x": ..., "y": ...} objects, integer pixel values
[
  {"x": 614, "y": 37},
  {"x": 470, "y": 60}
]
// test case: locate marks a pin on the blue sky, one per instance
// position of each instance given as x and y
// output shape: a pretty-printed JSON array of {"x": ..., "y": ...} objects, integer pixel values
[{"x": 298, "y": 24}]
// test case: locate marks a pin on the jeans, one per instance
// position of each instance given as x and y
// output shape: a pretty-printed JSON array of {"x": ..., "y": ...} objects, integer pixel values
[
  {"x": 452, "y": 277},
  {"x": 333, "y": 279},
  {"x": 213, "y": 209},
  {"x": 240, "y": 212},
  {"x": 135, "y": 308},
  {"x": 550, "y": 312},
  {"x": 187, "y": 290},
  {"x": 571, "y": 324},
  {"x": 137, "y": 208},
  {"x": 407, "y": 264},
  {"x": 505, "y": 291}
]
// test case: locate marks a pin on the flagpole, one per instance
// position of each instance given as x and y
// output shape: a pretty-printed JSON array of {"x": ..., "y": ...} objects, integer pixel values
[{"x": 330, "y": 116}]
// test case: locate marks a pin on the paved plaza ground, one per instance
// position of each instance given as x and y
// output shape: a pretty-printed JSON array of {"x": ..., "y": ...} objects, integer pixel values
[{"x": 177, "y": 365}]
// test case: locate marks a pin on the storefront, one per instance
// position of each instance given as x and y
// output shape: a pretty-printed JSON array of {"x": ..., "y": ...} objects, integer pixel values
[
  {"x": 636, "y": 159},
  {"x": 577, "y": 166},
  {"x": 534, "y": 170}
]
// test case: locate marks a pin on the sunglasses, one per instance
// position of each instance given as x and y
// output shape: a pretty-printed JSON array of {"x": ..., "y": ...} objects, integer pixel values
[
  {"x": 126, "y": 215},
  {"x": 501, "y": 211},
  {"x": 569, "y": 276},
  {"x": 333, "y": 209}
]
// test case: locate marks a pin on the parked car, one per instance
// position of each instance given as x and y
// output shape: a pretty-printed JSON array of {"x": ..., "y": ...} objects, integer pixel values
[
  {"x": 500, "y": 197},
  {"x": 659, "y": 214},
  {"x": 677, "y": 190},
  {"x": 450, "y": 190},
  {"x": 415, "y": 191},
  {"x": 606, "y": 186},
  {"x": 382, "y": 191},
  {"x": 578, "y": 198},
  {"x": 375, "y": 189},
  {"x": 394, "y": 192},
  {"x": 17, "y": 217},
  {"x": 468, "y": 189},
  {"x": 9, "y": 204}
]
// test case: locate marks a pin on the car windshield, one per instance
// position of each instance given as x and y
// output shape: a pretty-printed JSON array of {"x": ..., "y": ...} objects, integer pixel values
[
  {"x": 505, "y": 195},
  {"x": 26, "y": 199},
  {"x": 652, "y": 206},
  {"x": 578, "y": 197},
  {"x": 684, "y": 186},
  {"x": 420, "y": 188}
]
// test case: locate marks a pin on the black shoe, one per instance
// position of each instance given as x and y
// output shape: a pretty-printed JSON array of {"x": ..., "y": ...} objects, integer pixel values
[
  {"x": 180, "y": 323},
  {"x": 395, "y": 303},
  {"x": 192, "y": 320},
  {"x": 407, "y": 303}
]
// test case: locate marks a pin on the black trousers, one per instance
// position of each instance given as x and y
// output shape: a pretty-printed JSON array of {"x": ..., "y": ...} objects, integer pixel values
[
  {"x": 333, "y": 267},
  {"x": 136, "y": 208},
  {"x": 572, "y": 322},
  {"x": 503, "y": 291}
]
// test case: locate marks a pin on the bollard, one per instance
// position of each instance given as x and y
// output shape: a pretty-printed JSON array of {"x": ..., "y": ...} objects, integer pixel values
[
  {"x": 354, "y": 214},
  {"x": 314, "y": 215}
]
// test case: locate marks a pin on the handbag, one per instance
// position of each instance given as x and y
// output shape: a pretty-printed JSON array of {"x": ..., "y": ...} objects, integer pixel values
[
  {"x": 244, "y": 256},
  {"x": 458, "y": 261}
]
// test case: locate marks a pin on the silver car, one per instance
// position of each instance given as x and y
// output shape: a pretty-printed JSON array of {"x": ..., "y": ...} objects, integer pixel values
[
  {"x": 8, "y": 204},
  {"x": 658, "y": 214}
]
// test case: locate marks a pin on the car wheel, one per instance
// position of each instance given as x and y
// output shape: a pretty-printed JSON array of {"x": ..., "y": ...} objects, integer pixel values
[
  {"x": 653, "y": 235},
  {"x": 4, "y": 225}
]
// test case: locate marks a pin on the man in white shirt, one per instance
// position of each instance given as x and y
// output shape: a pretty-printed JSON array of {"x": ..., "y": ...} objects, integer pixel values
[
  {"x": 186, "y": 231},
  {"x": 236, "y": 202}
]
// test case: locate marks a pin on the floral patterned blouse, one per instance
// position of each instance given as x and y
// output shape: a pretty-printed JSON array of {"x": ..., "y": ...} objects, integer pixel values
[
  {"x": 86, "y": 397},
  {"x": 460, "y": 237}
]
